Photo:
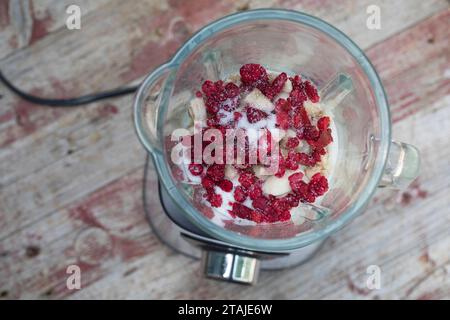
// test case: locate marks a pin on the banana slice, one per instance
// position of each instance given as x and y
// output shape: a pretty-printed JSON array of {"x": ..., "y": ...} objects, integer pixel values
[
  {"x": 262, "y": 172},
  {"x": 282, "y": 95},
  {"x": 321, "y": 167},
  {"x": 314, "y": 109},
  {"x": 197, "y": 110},
  {"x": 297, "y": 215},
  {"x": 287, "y": 86},
  {"x": 278, "y": 186},
  {"x": 256, "y": 99},
  {"x": 230, "y": 172}
]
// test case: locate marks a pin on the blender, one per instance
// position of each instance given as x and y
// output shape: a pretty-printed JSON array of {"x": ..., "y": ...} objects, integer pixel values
[{"x": 365, "y": 159}]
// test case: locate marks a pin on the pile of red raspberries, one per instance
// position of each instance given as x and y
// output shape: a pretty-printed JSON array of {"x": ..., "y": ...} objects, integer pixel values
[{"x": 290, "y": 114}]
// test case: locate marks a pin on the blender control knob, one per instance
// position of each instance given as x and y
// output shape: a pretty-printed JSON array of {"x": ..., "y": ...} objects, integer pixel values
[{"x": 229, "y": 266}]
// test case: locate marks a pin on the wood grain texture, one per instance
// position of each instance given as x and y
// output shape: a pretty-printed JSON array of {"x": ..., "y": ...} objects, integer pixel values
[{"x": 70, "y": 182}]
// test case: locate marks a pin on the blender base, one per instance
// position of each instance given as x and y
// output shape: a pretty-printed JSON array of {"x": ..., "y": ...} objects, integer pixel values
[{"x": 169, "y": 225}]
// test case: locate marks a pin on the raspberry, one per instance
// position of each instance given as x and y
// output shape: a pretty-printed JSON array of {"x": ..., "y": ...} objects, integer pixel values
[
  {"x": 207, "y": 183},
  {"x": 284, "y": 216},
  {"x": 212, "y": 106},
  {"x": 230, "y": 104},
  {"x": 318, "y": 185},
  {"x": 281, "y": 166},
  {"x": 240, "y": 194},
  {"x": 279, "y": 205},
  {"x": 198, "y": 94},
  {"x": 237, "y": 116},
  {"x": 282, "y": 105},
  {"x": 292, "y": 160},
  {"x": 255, "y": 191},
  {"x": 292, "y": 143},
  {"x": 308, "y": 132},
  {"x": 216, "y": 172},
  {"x": 297, "y": 97},
  {"x": 246, "y": 179},
  {"x": 252, "y": 73},
  {"x": 256, "y": 216},
  {"x": 293, "y": 199},
  {"x": 196, "y": 169},
  {"x": 323, "y": 123},
  {"x": 307, "y": 197},
  {"x": 306, "y": 160},
  {"x": 261, "y": 203},
  {"x": 254, "y": 115},
  {"x": 277, "y": 85},
  {"x": 300, "y": 118},
  {"x": 296, "y": 82},
  {"x": 226, "y": 185},
  {"x": 296, "y": 182},
  {"x": 283, "y": 120},
  {"x": 241, "y": 211},
  {"x": 311, "y": 91},
  {"x": 323, "y": 139},
  {"x": 215, "y": 200},
  {"x": 231, "y": 90},
  {"x": 208, "y": 88}
]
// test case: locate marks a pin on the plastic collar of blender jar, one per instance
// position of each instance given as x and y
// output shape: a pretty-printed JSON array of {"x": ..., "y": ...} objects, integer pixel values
[{"x": 279, "y": 245}]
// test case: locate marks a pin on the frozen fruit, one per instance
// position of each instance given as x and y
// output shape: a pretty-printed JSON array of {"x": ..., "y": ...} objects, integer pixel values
[
  {"x": 297, "y": 97},
  {"x": 282, "y": 120},
  {"x": 207, "y": 183},
  {"x": 323, "y": 123},
  {"x": 292, "y": 143},
  {"x": 251, "y": 73},
  {"x": 231, "y": 90},
  {"x": 311, "y": 92},
  {"x": 246, "y": 179},
  {"x": 241, "y": 211},
  {"x": 255, "y": 191},
  {"x": 296, "y": 182},
  {"x": 226, "y": 185},
  {"x": 289, "y": 102},
  {"x": 318, "y": 185},
  {"x": 276, "y": 186},
  {"x": 261, "y": 203},
  {"x": 215, "y": 199},
  {"x": 216, "y": 172},
  {"x": 276, "y": 86},
  {"x": 258, "y": 100},
  {"x": 255, "y": 115},
  {"x": 240, "y": 194},
  {"x": 196, "y": 169}
]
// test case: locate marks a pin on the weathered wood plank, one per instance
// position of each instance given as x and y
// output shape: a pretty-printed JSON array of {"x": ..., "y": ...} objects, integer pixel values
[
  {"x": 106, "y": 228},
  {"x": 83, "y": 206},
  {"x": 396, "y": 232},
  {"x": 24, "y": 22},
  {"x": 65, "y": 139},
  {"x": 138, "y": 37}
]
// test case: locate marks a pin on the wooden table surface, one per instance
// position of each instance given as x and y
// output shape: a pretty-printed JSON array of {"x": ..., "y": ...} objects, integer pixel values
[{"x": 70, "y": 179}]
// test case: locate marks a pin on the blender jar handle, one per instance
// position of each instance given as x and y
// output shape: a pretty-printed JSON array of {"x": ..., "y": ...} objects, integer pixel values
[
  {"x": 403, "y": 162},
  {"x": 152, "y": 95},
  {"x": 402, "y": 166}
]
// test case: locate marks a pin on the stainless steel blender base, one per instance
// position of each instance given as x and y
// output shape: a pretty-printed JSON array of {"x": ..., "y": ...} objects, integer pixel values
[{"x": 174, "y": 230}]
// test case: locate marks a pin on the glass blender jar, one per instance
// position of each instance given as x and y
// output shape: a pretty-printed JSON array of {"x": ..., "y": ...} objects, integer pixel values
[{"x": 351, "y": 91}]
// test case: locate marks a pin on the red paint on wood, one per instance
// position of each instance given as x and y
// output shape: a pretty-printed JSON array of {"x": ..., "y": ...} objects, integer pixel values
[
  {"x": 174, "y": 30},
  {"x": 6, "y": 117},
  {"x": 108, "y": 110},
  {"x": 129, "y": 249},
  {"x": 4, "y": 14},
  {"x": 40, "y": 25}
]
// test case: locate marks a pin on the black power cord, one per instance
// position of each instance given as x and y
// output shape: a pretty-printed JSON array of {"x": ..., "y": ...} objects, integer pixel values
[{"x": 69, "y": 102}]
